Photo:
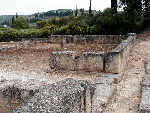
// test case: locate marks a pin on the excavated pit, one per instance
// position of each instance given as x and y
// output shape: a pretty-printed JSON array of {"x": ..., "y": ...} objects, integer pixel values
[{"x": 31, "y": 60}]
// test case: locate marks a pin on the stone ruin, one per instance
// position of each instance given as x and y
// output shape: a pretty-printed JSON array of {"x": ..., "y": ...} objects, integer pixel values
[
  {"x": 66, "y": 96},
  {"x": 113, "y": 61},
  {"x": 72, "y": 96},
  {"x": 144, "y": 106}
]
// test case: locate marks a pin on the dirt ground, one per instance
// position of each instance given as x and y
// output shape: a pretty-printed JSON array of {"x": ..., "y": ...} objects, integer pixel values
[{"x": 32, "y": 61}]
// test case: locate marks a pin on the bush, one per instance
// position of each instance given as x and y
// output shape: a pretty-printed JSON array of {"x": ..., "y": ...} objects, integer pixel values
[
  {"x": 20, "y": 23},
  {"x": 48, "y": 30},
  {"x": 41, "y": 23},
  {"x": 10, "y": 34}
]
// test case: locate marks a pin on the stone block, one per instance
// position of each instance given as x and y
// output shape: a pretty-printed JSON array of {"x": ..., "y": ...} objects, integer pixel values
[
  {"x": 147, "y": 66},
  {"x": 146, "y": 82},
  {"x": 103, "y": 95},
  {"x": 112, "y": 62},
  {"x": 109, "y": 79},
  {"x": 145, "y": 102}
]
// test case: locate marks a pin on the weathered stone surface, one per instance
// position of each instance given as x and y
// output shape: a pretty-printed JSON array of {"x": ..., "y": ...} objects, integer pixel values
[
  {"x": 60, "y": 97},
  {"x": 18, "y": 89},
  {"x": 111, "y": 62},
  {"x": 147, "y": 66},
  {"x": 145, "y": 102},
  {"x": 99, "y": 39},
  {"x": 70, "y": 60},
  {"x": 103, "y": 94},
  {"x": 105, "y": 89},
  {"x": 115, "y": 60},
  {"x": 108, "y": 79},
  {"x": 144, "y": 106},
  {"x": 8, "y": 48},
  {"x": 104, "y": 80},
  {"x": 146, "y": 82}
]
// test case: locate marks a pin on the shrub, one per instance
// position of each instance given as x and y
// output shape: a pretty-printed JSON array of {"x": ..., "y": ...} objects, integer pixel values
[
  {"x": 49, "y": 29},
  {"x": 20, "y": 23},
  {"x": 10, "y": 34}
]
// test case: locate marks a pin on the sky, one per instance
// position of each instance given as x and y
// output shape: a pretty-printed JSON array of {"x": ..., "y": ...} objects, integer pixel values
[{"x": 25, "y": 7}]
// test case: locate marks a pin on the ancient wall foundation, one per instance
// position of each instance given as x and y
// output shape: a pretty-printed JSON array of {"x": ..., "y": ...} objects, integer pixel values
[
  {"x": 113, "y": 61},
  {"x": 116, "y": 60},
  {"x": 71, "y": 61},
  {"x": 96, "y": 39}
]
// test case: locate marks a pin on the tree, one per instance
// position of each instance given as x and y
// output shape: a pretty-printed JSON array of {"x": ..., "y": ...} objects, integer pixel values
[
  {"x": 16, "y": 15},
  {"x": 132, "y": 9},
  {"x": 146, "y": 8},
  {"x": 132, "y": 5},
  {"x": 90, "y": 8},
  {"x": 138, "y": 6},
  {"x": 76, "y": 12},
  {"x": 114, "y": 5},
  {"x": 82, "y": 12},
  {"x": 13, "y": 19},
  {"x": 20, "y": 23},
  {"x": 41, "y": 23},
  {"x": 147, "y": 5}
]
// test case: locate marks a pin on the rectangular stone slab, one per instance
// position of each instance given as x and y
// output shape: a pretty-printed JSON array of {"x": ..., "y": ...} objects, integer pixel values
[
  {"x": 103, "y": 94},
  {"x": 145, "y": 102},
  {"x": 147, "y": 66}
]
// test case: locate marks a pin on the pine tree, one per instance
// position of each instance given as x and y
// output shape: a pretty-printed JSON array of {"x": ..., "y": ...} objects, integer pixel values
[
  {"x": 16, "y": 15},
  {"x": 90, "y": 8},
  {"x": 13, "y": 19},
  {"x": 76, "y": 12}
]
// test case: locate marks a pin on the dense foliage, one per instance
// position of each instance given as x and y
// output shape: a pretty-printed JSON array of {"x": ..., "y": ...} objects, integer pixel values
[
  {"x": 133, "y": 18},
  {"x": 106, "y": 22},
  {"x": 20, "y": 23},
  {"x": 10, "y": 34}
]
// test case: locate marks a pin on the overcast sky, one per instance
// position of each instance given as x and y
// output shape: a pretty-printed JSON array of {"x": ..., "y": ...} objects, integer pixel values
[{"x": 8, "y": 7}]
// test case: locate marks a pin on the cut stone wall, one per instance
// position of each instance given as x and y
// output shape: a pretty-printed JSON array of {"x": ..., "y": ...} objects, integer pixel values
[
  {"x": 144, "y": 106},
  {"x": 96, "y": 39},
  {"x": 63, "y": 40},
  {"x": 112, "y": 62},
  {"x": 66, "y": 39},
  {"x": 71, "y": 61},
  {"x": 116, "y": 60}
]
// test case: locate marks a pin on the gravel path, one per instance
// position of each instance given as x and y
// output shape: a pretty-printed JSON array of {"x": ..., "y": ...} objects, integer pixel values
[{"x": 128, "y": 93}]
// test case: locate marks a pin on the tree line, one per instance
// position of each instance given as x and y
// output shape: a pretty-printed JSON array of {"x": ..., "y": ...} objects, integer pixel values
[{"x": 133, "y": 17}]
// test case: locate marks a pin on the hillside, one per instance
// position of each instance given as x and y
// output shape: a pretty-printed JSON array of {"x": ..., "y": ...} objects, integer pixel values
[{"x": 7, "y": 19}]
